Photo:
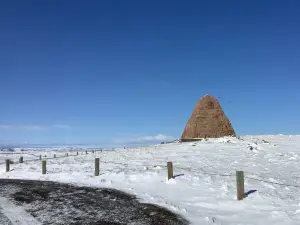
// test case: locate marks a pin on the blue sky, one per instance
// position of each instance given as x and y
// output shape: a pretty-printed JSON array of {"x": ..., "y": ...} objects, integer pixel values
[{"x": 110, "y": 72}]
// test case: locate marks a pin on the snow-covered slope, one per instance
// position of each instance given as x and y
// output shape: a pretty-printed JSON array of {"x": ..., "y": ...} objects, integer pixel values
[{"x": 204, "y": 188}]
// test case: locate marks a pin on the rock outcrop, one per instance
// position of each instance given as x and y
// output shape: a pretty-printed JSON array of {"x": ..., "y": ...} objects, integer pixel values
[{"x": 207, "y": 121}]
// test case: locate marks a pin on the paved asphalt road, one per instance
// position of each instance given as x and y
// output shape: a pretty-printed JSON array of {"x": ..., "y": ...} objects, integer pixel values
[{"x": 40, "y": 202}]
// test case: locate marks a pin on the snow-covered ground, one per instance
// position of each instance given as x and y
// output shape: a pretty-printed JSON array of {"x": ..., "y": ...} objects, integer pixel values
[
  {"x": 15, "y": 156},
  {"x": 204, "y": 187},
  {"x": 27, "y": 155},
  {"x": 34, "y": 154}
]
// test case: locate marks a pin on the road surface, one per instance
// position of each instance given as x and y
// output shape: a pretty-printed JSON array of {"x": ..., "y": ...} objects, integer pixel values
[{"x": 43, "y": 203}]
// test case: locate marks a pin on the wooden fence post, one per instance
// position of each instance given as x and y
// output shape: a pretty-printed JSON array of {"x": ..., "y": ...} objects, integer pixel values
[
  {"x": 240, "y": 185},
  {"x": 44, "y": 167},
  {"x": 7, "y": 162},
  {"x": 77, "y": 153},
  {"x": 54, "y": 155},
  {"x": 170, "y": 170},
  {"x": 40, "y": 157},
  {"x": 97, "y": 165},
  {"x": 21, "y": 159}
]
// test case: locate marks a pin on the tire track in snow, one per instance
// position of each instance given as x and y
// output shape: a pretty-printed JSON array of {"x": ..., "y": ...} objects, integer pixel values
[{"x": 16, "y": 214}]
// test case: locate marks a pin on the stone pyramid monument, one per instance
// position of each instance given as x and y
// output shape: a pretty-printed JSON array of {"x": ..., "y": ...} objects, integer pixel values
[{"x": 207, "y": 121}]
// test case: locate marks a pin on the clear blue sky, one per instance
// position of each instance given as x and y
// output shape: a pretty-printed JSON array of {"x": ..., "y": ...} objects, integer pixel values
[{"x": 116, "y": 71}]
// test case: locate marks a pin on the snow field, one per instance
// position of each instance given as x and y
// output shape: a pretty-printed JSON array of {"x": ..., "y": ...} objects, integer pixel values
[
  {"x": 35, "y": 155},
  {"x": 15, "y": 156},
  {"x": 204, "y": 187}
]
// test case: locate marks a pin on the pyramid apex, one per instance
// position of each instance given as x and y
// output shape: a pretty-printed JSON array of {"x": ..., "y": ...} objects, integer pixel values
[{"x": 207, "y": 96}]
